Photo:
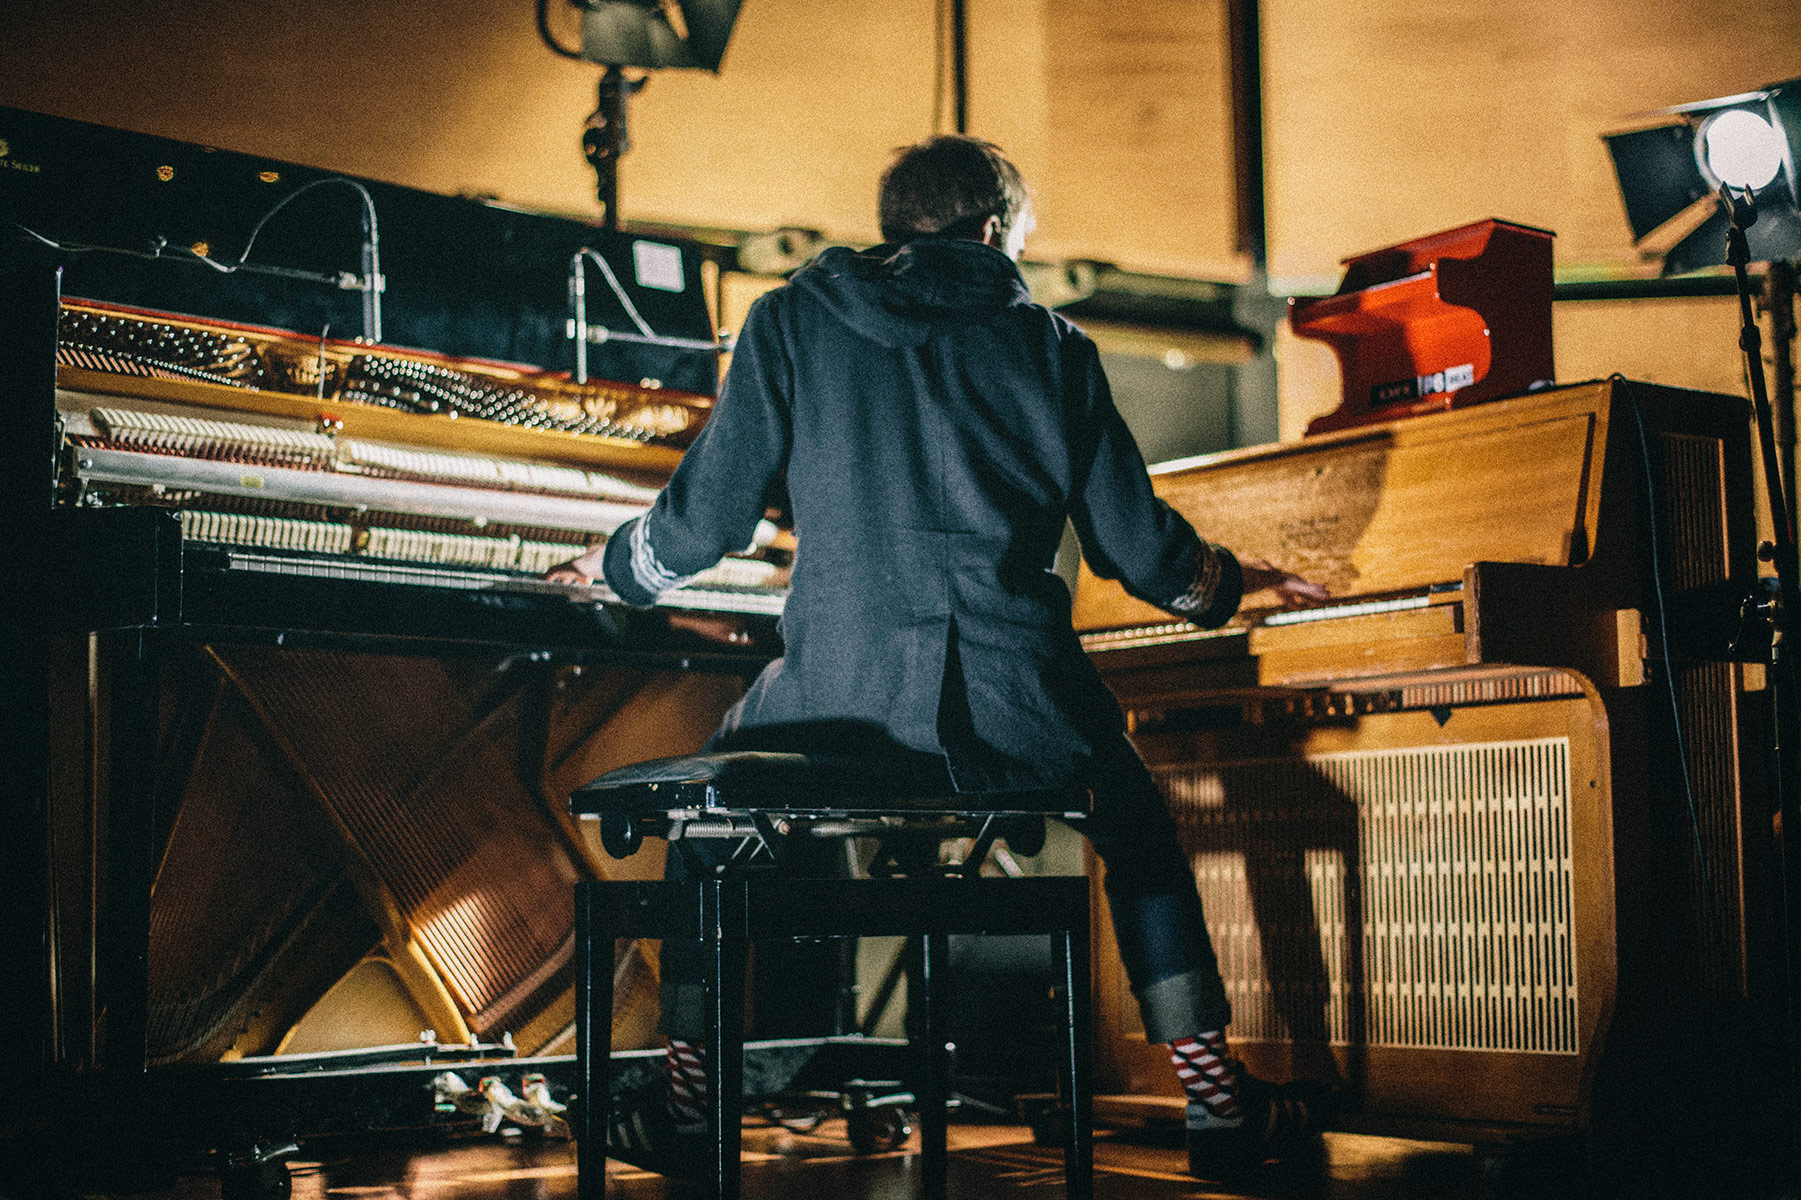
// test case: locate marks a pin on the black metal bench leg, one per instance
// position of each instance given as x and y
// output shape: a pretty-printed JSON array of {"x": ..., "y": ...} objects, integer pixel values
[
  {"x": 925, "y": 1013},
  {"x": 594, "y": 940},
  {"x": 1074, "y": 1075},
  {"x": 725, "y": 904}
]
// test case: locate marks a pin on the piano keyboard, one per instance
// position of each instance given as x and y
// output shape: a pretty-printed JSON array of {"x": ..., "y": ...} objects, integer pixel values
[
  {"x": 291, "y": 500},
  {"x": 1437, "y": 593},
  {"x": 1331, "y": 612},
  {"x": 1171, "y": 632},
  {"x": 510, "y": 553},
  {"x": 716, "y": 590}
]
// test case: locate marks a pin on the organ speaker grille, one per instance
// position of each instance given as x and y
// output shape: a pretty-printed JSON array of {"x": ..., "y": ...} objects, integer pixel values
[{"x": 1417, "y": 897}]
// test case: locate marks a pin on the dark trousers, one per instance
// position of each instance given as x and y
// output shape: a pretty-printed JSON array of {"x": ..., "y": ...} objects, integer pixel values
[{"x": 1151, "y": 894}]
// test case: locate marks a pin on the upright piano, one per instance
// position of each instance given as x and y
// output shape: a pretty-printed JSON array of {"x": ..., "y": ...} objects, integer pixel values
[
  {"x": 296, "y": 715},
  {"x": 1474, "y": 833}
]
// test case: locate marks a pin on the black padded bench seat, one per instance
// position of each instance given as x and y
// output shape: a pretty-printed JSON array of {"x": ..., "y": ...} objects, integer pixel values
[
  {"x": 803, "y": 784},
  {"x": 758, "y": 794}
]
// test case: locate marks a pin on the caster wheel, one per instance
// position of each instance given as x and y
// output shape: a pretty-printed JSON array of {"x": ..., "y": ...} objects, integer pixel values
[
  {"x": 619, "y": 835},
  {"x": 873, "y": 1130}
]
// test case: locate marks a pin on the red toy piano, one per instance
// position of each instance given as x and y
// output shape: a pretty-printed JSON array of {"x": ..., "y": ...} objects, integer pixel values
[{"x": 1440, "y": 322}]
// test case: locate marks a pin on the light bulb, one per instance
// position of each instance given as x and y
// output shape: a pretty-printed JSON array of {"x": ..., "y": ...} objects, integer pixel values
[{"x": 1740, "y": 149}]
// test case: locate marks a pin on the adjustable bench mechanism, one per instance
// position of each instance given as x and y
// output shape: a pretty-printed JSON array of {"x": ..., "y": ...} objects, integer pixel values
[{"x": 906, "y": 842}]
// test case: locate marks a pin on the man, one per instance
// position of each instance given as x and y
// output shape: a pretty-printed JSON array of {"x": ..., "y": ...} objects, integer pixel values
[{"x": 935, "y": 429}]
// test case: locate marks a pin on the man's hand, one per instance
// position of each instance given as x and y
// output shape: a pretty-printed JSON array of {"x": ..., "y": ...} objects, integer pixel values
[
  {"x": 584, "y": 569},
  {"x": 1291, "y": 590}
]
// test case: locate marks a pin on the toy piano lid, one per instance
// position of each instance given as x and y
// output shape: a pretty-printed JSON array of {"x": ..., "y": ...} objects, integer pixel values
[{"x": 1394, "y": 263}]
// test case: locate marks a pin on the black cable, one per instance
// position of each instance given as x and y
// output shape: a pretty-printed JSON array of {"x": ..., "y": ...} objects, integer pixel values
[
  {"x": 369, "y": 282},
  {"x": 1663, "y": 639},
  {"x": 549, "y": 37},
  {"x": 940, "y": 57},
  {"x": 155, "y": 254},
  {"x": 224, "y": 268},
  {"x": 959, "y": 34}
]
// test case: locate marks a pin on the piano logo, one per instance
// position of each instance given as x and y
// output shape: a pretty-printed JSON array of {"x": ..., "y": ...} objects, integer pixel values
[
  {"x": 12, "y": 164},
  {"x": 1437, "y": 383}
]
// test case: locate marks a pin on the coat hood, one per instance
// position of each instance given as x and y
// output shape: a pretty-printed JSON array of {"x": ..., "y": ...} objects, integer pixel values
[{"x": 895, "y": 295}]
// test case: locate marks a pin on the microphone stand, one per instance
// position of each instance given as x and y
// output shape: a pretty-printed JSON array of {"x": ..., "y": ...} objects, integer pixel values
[
  {"x": 582, "y": 331},
  {"x": 604, "y": 139},
  {"x": 1785, "y": 662}
]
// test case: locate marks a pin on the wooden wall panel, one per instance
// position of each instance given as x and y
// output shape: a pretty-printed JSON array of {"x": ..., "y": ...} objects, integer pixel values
[
  {"x": 452, "y": 98},
  {"x": 1136, "y": 146},
  {"x": 1117, "y": 112},
  {"x": 464, "y": 98},
  {"x": 797, "y": 126}
]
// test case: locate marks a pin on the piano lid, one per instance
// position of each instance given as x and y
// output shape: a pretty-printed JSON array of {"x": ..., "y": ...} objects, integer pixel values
[{"x": 468, "y": 278}]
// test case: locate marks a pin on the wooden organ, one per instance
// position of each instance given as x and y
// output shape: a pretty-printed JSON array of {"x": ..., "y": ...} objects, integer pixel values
[{"x": 1461, "y": 829}]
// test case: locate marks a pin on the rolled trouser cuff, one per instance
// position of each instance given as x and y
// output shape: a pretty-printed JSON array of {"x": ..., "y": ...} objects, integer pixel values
[{"x": 1184, "y": 1005}]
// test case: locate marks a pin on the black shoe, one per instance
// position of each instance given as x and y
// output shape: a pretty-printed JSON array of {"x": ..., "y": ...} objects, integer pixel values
[
  {"x": 641, "y": 1132},
  {"x": 1279, "y": 1119}
]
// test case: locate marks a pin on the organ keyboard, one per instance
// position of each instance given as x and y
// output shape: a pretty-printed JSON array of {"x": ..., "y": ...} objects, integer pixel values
[{"x": 1467, "y": 832}]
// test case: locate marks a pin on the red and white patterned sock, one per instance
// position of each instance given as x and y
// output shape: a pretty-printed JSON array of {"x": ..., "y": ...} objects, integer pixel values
[
  {"x": 1212, "y": 1089},
  {"x": 687, "y": 1064}
]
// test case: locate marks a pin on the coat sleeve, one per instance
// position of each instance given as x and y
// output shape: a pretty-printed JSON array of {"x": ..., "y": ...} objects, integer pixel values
[
  {"x": 711, "y": 505},
  {"x": 1127, "y": 532}
]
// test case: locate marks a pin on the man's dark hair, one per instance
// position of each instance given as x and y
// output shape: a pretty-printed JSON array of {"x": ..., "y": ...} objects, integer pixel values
[{"x": 948, "y": 186}]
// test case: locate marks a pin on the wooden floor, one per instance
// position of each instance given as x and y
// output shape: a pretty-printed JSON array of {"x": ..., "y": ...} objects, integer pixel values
[{"x": 986, "y": 1161}]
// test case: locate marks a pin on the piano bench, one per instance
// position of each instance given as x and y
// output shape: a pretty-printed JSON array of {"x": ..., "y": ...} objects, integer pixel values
[{"x": 763, "y": 801}]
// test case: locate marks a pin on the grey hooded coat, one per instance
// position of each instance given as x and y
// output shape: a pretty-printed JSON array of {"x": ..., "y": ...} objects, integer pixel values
[{"x": 935, "y": 428}]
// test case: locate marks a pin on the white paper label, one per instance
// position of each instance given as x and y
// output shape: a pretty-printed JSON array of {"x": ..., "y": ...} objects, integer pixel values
[{"x": 658, "y": 266}]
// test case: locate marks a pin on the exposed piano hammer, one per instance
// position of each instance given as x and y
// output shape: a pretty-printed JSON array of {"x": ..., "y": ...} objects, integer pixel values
[{"x": 245, "y": 471}]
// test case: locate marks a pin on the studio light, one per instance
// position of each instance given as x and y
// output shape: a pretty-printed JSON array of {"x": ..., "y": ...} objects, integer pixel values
[
  {"x": 1730, "y": 165},
  {"x": 640, "y": 33},
  {"x": 1670, "y": 174},
  {"x": 647, "y": 34},
  {"x": 1739, "y": 149}
]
